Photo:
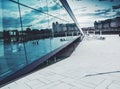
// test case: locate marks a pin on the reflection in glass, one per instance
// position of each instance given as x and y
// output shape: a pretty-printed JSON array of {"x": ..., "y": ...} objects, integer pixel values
[
  {"x": 13, "y": 57},
  {"x": 31, "y": 30}
]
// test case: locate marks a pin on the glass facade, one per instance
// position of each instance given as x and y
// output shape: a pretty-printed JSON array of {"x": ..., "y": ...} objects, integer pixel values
[{"x": 30, "y": 29}]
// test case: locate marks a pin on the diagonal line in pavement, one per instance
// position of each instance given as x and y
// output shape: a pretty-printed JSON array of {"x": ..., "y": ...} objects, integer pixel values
[{"x": 102, "y": 73}]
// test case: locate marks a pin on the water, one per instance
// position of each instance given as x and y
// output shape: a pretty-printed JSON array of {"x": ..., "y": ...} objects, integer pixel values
[{"x": 15, "y": 56}]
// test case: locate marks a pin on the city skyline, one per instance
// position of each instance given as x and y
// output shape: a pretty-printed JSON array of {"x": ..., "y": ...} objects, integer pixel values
[{"x": 87, "y": 11}]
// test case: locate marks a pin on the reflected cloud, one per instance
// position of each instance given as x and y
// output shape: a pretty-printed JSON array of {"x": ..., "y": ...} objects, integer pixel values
[
  {"x": 78, "y": 0},
  {"x": 102, "y": 0},
  {"x": 55, "y": 7},
  {"x": 10, "y": 22},
  {"x": 103, "y": 11},
  {"x": 43, "y": 21},
  {"x": 107, "y": 0},
  {"x": 116, "y": 7}
]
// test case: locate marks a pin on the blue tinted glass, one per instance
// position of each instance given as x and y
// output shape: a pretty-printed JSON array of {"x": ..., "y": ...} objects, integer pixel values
[
  {"x": 31, "y": 30},
  {"x": 12, "y": 55},
  {"x": 40, "y": 5}
]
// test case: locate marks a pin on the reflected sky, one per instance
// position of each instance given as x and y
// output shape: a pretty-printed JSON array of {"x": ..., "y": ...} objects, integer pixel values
[
  {"x": 33, "y": 17},
  {"x": 87, "y": 11}
]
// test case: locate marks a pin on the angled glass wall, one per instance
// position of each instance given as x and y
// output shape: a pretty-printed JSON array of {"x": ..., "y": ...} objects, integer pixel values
[{"x": 30, "y": 29}]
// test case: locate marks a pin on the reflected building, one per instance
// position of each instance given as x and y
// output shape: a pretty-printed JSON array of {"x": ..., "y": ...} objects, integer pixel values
[
  {"x": 69, "y": 28},
  {"x": 26, "y": 34}
]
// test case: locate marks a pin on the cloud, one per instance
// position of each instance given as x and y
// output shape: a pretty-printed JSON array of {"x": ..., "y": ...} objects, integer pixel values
[
  {"x": 78, "y": 0},
  {"x": 55, "y": 7},
  {"x": 116, "y": 7},
  {"x": 34, "y": 12},
  {"x": 8, "y": 5},
  {"x": 117, "y": 14},
  {"x": 43, "y": 21},
  {"x": 28, "y": 17},
  {"x": 97, "y": 13},
  {"x": 31, "y": 16},
  {"x": 102, "y": 0},
  {"x": 39, "y": 11},
  {"x": 107, "y": 0},
  {"x": 96, "y": 5},
  {"x": 27, "y": 21},
  {"x": 43, "y": 9},
  {"x": 111, "y": 0},
  {"x": 82, "y": 9},
  {"x": 103, "y": 11},
  {"x": 10, "y": 22}
]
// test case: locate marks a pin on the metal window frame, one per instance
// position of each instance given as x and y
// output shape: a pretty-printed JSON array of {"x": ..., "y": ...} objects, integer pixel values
[{"x": 68, "y": 9}]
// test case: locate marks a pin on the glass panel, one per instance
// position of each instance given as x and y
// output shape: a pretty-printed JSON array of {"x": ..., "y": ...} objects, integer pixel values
[
  {"x": 32, "y": 29},
  {"x": 40, "y": 5},
  {"x": 54, "y": 8},
  {"x": 2, "y": 64},
  {"x": 12, "y": 55},
  {"x": 36, "y": 24}
]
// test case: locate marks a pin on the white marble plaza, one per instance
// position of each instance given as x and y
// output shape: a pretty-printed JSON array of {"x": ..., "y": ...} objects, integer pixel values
[{"x": 95, "y": 64}]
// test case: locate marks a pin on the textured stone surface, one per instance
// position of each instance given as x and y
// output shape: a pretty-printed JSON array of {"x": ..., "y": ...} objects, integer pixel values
[{"x": 95, "y": 64}]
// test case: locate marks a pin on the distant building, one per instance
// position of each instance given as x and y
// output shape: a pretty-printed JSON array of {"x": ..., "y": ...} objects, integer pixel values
[
  {"x": 1, "y": 34},
  {"x": 96, "y": 25},
  {"x": 100, "y": 24},
  {"x": 88, "y": 28},
  {"x": 64, "y": 27},
  {"x": 115, "y": 22},
  {"x": 69, "y": 27},
  {"x": 108, "y": 24},
  {"x": 56, "y": 27}
]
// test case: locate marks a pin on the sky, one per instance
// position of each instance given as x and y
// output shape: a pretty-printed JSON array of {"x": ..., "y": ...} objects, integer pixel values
[
  {"x": 88, "y": 11},
  {"x": 30, "y": 17}
]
